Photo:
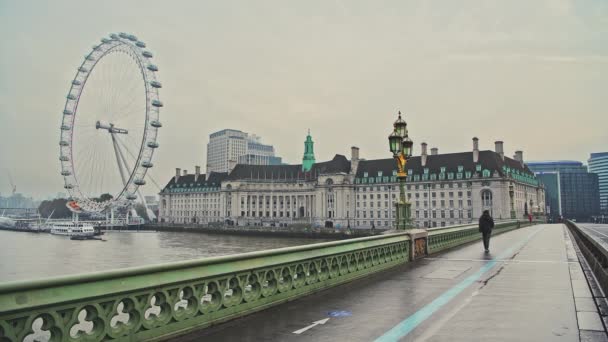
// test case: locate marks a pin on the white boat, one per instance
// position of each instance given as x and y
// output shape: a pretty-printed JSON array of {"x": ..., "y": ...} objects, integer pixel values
[
  {"x": 72, "y": 228},
  {"x": 6, "y": 222}
]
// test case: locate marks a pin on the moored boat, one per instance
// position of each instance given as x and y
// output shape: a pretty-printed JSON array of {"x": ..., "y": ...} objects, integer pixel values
[{"x": 73, "y": 228}]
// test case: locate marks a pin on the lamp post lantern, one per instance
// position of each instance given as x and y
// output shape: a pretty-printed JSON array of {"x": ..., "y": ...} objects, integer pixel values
[{"x": 401, "y": 146}]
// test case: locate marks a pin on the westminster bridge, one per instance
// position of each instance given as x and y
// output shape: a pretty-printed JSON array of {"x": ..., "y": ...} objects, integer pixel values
[{"x": 540, "y": 282}]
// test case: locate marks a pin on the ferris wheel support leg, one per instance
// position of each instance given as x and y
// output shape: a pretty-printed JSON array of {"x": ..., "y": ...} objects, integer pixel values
[
  {"x": 151, "y": 214},
  {"x": 118, "y": 154}
]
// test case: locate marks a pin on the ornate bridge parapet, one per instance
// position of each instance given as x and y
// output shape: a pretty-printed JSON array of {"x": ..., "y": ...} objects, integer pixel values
[
  {"x": 157, "y": 302},
  {"x": 161, "y": 301},
  {"x": 447, "y": 237}
]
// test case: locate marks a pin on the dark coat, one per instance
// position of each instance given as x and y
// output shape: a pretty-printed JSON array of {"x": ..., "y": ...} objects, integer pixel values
[{"x": 486, "y": 223}]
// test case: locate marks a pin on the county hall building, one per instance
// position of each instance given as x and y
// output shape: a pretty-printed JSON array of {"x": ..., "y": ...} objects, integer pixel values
[{"x": 443, "y": 189}]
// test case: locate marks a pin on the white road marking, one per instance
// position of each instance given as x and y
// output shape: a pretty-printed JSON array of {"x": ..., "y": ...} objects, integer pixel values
[{"x": 314, "y": 324}]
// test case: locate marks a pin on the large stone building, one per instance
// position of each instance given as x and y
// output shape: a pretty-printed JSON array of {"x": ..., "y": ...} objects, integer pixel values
[
  {"x": 444, "y": 189},
  {"x": 229, "y": 147}
]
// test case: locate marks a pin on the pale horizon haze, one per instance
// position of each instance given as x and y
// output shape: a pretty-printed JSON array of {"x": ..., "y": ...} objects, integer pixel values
[{"x": 531, "y": 73}]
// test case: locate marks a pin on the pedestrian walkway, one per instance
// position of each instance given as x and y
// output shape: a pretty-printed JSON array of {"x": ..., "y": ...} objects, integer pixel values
[{"x": 527, "y": 289}]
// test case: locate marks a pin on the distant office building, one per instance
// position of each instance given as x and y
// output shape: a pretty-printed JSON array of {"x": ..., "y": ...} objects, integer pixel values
[
  {"x": 570, "y": 190},
  {"x": 598, "y": 163},
  {"x": 253, "y": 159},
  {"x": 258, "y": 153},
  {"x": 17, "y": 201},
  {"x": 229, "y": 147},
  {"x": 151, "y": 199}
]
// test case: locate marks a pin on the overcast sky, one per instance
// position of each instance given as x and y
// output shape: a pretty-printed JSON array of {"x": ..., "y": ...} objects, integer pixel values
[{"x": 531, "y": 73}]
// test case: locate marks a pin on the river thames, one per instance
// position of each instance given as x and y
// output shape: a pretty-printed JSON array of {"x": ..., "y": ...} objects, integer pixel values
[{"x": 34, "y": 256}]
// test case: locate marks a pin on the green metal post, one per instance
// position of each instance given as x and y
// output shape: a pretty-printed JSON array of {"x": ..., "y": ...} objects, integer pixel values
[{"x": 403, "y": 207}]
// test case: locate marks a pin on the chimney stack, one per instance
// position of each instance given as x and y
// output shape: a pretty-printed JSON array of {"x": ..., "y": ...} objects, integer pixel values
[
  {"x": 475, "y": 150},
  {"x": 434, "y": 151},
  {"x": 519, "y": 156},
  {"x": 177, "y": 172},
  {"x": 498, "y": 146},
  {"x": 354, "y": 159},
  {"x": 423, "y": 156},
  {"x": 197, "y": 172},
  {"x": 185, "y": 173}
]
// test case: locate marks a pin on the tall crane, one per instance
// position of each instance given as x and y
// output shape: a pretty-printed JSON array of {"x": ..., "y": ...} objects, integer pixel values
[{"x": 13, "y": 186}]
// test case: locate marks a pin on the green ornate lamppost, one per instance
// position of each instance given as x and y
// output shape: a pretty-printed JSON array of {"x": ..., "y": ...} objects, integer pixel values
[{"x": 401, "y": 147}]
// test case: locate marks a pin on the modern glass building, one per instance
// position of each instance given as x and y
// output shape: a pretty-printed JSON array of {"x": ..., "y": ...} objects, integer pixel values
[
  {"x": 229, "y": 147},
  {"x": 570, "y": 190},
  {"x": 598, "y": 163}
]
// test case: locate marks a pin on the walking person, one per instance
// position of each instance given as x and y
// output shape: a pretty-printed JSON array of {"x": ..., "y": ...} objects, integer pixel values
[{"x": 486, "y": 223}]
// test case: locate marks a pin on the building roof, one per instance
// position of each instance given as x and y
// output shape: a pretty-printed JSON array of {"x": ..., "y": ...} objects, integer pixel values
[
  {"x": 599, "y": 154},
  {"x": 215, "y": 180},
  {"x": 555, "y": 163},
  {"x": 289, "y": 172},
  {"x": 489, "y": 160}
]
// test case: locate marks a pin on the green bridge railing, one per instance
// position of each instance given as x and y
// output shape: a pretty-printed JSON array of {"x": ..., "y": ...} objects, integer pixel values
[
  {"x": 440, "y": 239},
  {"x": 161, "y": 301},
  {"x": 157, "y": 302}
]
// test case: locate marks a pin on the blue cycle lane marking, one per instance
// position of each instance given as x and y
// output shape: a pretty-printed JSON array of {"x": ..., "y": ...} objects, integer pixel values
[
  {"x": 406, "y": 326},
  {"x": 339, "y": 313}
]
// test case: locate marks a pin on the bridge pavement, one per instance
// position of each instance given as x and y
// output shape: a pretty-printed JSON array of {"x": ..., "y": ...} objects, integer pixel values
[{"x": 529, "y": 288}]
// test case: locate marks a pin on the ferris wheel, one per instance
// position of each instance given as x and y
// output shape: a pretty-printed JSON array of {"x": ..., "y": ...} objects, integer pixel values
[{"x": 110, "y": 124}]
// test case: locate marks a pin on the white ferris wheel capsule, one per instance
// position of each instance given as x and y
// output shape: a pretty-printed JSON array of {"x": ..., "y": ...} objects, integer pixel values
[{"x": 110, "y": 122}]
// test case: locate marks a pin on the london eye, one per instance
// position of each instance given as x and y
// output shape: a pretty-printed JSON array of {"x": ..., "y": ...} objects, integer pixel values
[{"x": 110, "y": 122}]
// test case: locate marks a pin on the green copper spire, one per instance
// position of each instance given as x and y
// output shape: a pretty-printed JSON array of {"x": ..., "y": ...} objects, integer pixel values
[{"x": 309, "y": 154}]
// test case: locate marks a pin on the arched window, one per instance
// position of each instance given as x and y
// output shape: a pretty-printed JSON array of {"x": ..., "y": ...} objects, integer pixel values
[{"x": 486, "y": 198}]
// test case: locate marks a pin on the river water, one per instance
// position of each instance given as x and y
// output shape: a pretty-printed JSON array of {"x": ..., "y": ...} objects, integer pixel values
[{"x": 33, "y": 256}]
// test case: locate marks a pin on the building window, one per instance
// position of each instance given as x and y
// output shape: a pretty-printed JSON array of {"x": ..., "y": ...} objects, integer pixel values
[{"x": 486, "y": 198}]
